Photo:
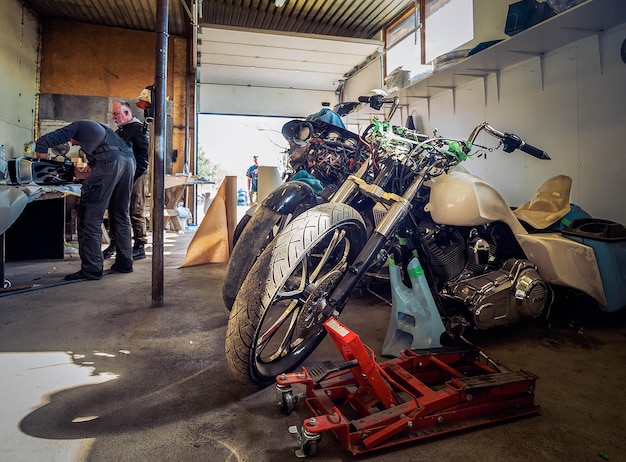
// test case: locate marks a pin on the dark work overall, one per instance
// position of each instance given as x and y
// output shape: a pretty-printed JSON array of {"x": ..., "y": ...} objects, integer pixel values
[{"x": 109, "y": 184}]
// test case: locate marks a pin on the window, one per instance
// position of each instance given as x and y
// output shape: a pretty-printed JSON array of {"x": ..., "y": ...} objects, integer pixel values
[
  {"x": 431, "y": 29},
  {"x": 403, "y": 42},
  {"x": 449, "y": 24}
]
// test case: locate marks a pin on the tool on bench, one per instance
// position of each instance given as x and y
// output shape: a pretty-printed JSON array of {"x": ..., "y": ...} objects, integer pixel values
[{"x": 419, "y": 395}]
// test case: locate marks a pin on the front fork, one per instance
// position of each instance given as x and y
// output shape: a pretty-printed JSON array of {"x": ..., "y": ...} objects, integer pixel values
[
  {"x": 350, "y": 186},
  {"x": 398, "y": 210}
]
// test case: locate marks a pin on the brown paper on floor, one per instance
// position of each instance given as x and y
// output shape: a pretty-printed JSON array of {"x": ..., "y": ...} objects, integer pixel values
[{"x": 210, "y": 243}]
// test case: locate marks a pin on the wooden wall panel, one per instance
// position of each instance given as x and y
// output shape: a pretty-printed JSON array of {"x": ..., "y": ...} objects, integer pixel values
[{"x": 80, "y": 60}]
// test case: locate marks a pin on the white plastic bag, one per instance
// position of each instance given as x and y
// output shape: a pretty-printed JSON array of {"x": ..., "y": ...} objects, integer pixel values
[{"x": 184, "y": 214}]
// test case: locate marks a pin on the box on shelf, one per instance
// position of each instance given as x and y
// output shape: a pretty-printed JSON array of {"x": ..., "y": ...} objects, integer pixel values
[
  {"x": 397, "y": 79},
  {"x": 525, "y": 14}
]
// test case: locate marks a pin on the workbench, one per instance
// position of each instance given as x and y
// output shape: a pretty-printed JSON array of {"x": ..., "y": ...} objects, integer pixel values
[
  {"x": 36, "y": 230},
  {"x": 175, "y": 186},
  {"x": 39, "y": 232}
]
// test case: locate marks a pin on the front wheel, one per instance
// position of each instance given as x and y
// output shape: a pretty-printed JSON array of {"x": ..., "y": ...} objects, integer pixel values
[
  {"x": 240, "y": 227},
  {"x": 277, "y": 318}
]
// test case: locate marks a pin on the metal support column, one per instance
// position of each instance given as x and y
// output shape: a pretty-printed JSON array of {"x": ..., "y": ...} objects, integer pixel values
[{"x": 160, "y": 86}]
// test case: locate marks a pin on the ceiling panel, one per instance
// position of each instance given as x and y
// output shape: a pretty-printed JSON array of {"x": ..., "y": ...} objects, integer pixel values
[
  {"x": 341, "y": 18},
  {"x": 278, "y": 60},
  {"x": 127, "y": 14}
]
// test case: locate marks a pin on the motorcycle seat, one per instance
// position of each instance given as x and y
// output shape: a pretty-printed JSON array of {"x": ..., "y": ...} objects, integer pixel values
[{"x": 549, "y": 204}]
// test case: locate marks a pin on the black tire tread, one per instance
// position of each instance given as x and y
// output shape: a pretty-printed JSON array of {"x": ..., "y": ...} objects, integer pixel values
[{"x": 252, "y": 240}]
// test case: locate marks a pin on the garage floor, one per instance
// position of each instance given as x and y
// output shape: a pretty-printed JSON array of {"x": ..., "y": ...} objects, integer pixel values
[{"x": 90, "y": 371}]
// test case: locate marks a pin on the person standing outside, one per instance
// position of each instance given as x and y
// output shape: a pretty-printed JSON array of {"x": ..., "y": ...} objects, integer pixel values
[
  {"x": 133, "y": 132},
  {"x": 107, "y": 182},
  {"x": 253, "y": 176}
]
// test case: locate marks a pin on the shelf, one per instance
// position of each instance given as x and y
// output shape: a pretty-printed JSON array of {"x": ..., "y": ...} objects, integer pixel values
[{"x": 590, "y": 18}]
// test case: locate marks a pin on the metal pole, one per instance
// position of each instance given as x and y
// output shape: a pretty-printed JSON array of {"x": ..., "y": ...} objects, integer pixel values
[
  {"x": 160, "y": 86},
  {"x": 188, "y": 108}
]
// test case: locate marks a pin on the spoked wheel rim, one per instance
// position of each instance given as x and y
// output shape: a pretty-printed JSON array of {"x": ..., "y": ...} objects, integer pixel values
[{"x": 292, "y": 324}]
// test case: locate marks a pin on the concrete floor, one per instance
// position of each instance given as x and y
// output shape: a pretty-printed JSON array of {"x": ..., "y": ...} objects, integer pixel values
[{"x": 92, "y": 372}]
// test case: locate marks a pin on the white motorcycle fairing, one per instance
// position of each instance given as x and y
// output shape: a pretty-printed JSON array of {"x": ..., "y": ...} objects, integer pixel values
[
  {"x": 459, "y": 198},
  {"x": 564, "y": 262}
]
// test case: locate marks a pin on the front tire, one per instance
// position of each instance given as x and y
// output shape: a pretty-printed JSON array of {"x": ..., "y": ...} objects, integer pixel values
[
  {"x": 240, "y": 227},
  {"x": 278, "y": 315}
]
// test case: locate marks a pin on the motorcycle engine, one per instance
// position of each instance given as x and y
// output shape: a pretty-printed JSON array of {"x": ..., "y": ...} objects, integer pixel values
[
  {"x": 502, "y": 297},
  {"x": 446, "y": 250}
]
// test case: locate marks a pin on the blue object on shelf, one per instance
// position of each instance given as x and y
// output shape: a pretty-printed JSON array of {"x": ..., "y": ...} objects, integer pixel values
[
  {"x": 525, "y": 14},
  {"x": 482, "y": 46}
]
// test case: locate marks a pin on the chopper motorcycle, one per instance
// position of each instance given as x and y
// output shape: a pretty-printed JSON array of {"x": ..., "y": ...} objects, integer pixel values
[
  {"x": 485, "y": 265},
  {"x": 321, "y": 155}
]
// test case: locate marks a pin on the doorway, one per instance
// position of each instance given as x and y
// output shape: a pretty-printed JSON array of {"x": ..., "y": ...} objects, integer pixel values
[{"x": 226, "y": 144}]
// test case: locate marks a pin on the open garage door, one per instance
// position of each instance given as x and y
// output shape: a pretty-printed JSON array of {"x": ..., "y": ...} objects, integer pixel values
[{"x": 273, "y": 74}]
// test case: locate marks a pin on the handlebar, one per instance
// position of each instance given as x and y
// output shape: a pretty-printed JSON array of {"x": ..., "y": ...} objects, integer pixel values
[
  {"x": 533, "y": 151},
  {"x": 377, "y": 101},
  {"x": 510, "y": 141}
]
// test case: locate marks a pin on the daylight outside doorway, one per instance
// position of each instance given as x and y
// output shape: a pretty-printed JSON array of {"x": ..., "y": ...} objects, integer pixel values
[{"x": 226, "y": 144}]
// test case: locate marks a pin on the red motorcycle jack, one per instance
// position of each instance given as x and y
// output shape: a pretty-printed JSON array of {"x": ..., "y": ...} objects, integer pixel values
[{"x": 419, "y": 395}]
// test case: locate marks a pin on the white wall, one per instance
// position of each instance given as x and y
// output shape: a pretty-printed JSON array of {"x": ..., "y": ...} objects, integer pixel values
[
  {"x": 579, "y": 118},
  {"x": 368, "y": 78},
  {"x": 19, "y": 35}
]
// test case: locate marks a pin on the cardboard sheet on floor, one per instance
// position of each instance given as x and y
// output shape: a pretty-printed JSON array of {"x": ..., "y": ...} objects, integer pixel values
[{"x": 210, "y": 242}]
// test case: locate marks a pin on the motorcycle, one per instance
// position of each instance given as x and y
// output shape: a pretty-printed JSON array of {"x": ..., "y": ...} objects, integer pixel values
[
  {"x": 321, "y": 155},
  {"x": 485, "y": 265}
]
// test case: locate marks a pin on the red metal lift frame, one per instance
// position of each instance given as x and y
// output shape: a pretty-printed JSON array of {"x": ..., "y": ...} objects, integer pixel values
[{"x": 418, "y": 395}]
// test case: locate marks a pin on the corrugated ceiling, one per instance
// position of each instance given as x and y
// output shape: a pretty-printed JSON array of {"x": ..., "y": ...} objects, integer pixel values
[
  {"x": 127, "y": 14},
  {"x": 342, "y": 18}
]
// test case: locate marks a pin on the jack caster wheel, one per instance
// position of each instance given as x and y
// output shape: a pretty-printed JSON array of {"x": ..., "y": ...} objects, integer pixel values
[
  {"x": 286, "y": 399},
  {"x": 309, "y": 442}
]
